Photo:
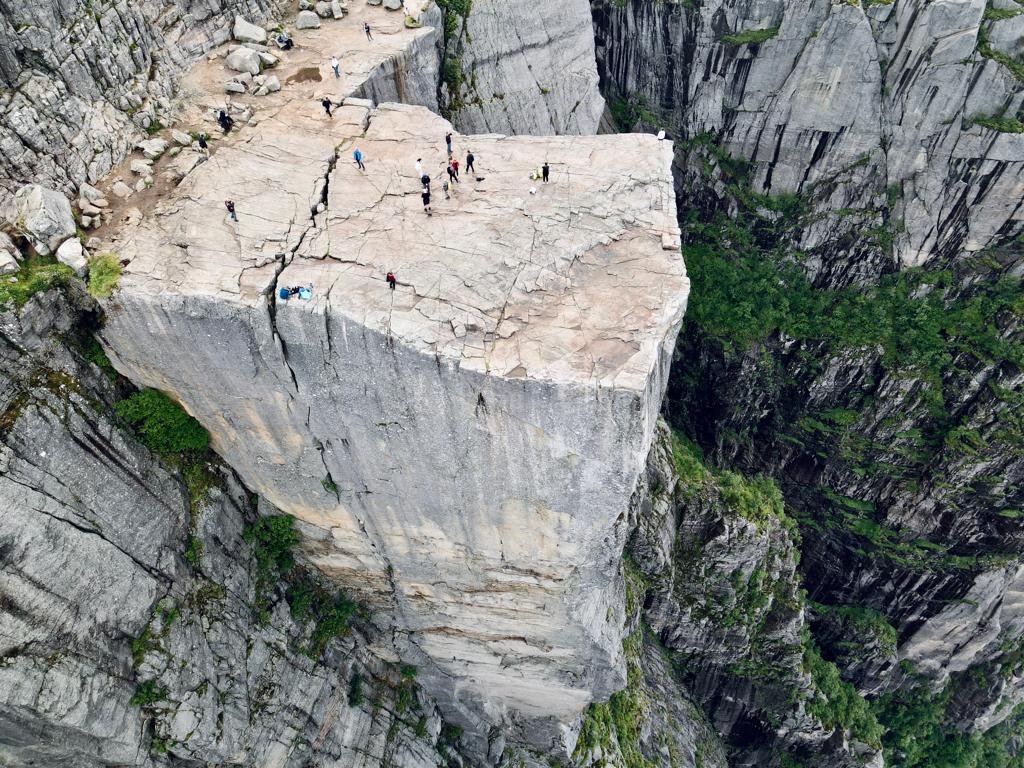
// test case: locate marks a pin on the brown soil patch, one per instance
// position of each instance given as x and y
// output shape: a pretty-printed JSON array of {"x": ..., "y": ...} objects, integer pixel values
[{"x": 305, "y": 75}]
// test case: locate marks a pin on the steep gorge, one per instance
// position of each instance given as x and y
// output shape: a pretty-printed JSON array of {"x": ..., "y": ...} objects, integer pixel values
[{"x": 821, "y": 560}]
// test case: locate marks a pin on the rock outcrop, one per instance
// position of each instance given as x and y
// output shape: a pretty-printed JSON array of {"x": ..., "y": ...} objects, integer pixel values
[{"x": 409, "y": 427}]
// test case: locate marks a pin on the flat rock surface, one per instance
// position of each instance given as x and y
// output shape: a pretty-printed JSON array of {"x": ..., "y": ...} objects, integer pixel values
[{"x": 566, "y": 280}]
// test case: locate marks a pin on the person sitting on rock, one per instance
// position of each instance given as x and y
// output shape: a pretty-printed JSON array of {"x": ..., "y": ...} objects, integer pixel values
[
  {"x": 326, "y": 102},
  {"x": 226, "y": 122}
]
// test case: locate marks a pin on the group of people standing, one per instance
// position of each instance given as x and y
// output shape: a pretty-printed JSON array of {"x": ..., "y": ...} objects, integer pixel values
[{"x": 453, "y": 174}]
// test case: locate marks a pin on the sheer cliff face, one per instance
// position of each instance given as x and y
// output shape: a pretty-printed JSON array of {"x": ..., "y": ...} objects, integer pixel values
[
  {"x": 129, "y": 626},
  {"x": 524, "y": 68},
  {"x": 825, "y": 150},
  {"x": 871, "y": 113}
]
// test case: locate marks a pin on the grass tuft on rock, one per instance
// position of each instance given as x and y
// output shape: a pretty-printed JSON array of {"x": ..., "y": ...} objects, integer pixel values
[
  {"x": 104, "y": 272},
  {"x": 35, "y": 276}
]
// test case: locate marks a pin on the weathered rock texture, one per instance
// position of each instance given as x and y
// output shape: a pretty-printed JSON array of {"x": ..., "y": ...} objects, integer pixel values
[
  {"x": 98, "y": 598},
  {"x": 524, "y": 68},
  {"x": 464, "y": 446},
  {"x": 79, "y": 81}
]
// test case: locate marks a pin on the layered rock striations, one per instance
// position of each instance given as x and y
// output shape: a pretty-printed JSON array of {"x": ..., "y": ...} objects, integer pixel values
[
  {"x": 855, "y": 180},
  {"x": 136, "y": 628},
  {"x": 463, "y": 448},
  {"x": 523, "y": 68}
]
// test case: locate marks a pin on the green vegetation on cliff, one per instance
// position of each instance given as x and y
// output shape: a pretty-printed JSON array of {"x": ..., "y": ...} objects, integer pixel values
[
  {"x": 35, "y": 275},
  {"x": 162, "y": 425},
  {"x": 918, "y": 734}
]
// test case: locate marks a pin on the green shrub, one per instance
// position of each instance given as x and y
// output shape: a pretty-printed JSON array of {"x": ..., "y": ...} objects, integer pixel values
[
  {"x": 35, "y": 276},
  {"x": 332, "y": 621},
  {"x": 1001, "y": 124},
  {"x": 148, "y": 693},
  {"x": 194, "y": 551},
  {"x": 751, "y": 36},
  {"x": 162, "y": 425},
  {"x": 838, "y": 705},
  {"x": 273, "y": 539},
  {"x": 104, "y": 272}
]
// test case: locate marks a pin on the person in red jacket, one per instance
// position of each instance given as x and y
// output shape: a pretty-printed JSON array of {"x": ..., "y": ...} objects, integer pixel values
[{"x": 392, "y": 280}]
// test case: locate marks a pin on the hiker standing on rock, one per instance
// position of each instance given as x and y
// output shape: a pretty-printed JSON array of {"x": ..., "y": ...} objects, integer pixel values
[
  {"x": 366, "y": 29},
  {"x": 226, "y": 122},
  {"x": 545, "y": 171},
  {"x": 419, "y": 167},
  {"x": 230, "y": 205},
  {"x": 204, "y": 147},
  {"x": 448, "y": 143},
  {"x": 336, "y": 66},
  {"x": 453, "y": 175},
  {"x": 392, "y": 280},
  {"x": 469, "y": 162},
  {"x": 326, "y": 102},
  {"x": 425, "y": 194},
  {"x": 358, "y": 156},
  {"x": 455, "y": 165}
]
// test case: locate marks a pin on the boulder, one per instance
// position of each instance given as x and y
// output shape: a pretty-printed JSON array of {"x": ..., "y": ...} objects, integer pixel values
[
  {"x": 89, "y": 192},
  {"x": 323, "y": 9},
  {"x": 153, "y": 148},
  {"x": 43, "y": 214},
  {"x": 141, "y": 167},
  {"x": 393, "y": 5},
  {"x": 121, "y": 189},
  {"x": 89, "y": 209},
  {"x": 9, "y": 255},
  {"x": 86, "y": 222},
  {"x": 267, "y": 59},
  {"x": 373, "y": 2},
  {"x": 307, "y": 20},
  {"x": 337, "y": 9},
  {"x": 72, "y": 254},
  {"x": 234, "y": 87},
  {"x": 8, "y": 264},
  {"x": 272, "y": 84},
  {"x": 181, "y": 138},
  {"x": 101, "y": 202},
  {"x": 248, "y": 32},
  {"x": 245, "y": 60}
]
